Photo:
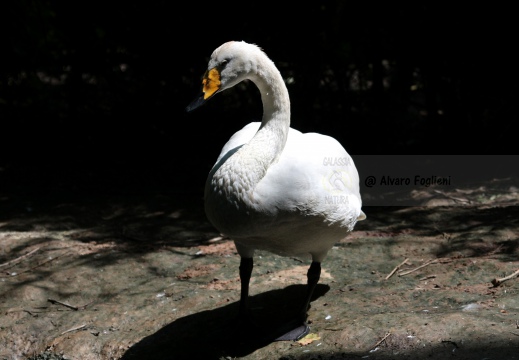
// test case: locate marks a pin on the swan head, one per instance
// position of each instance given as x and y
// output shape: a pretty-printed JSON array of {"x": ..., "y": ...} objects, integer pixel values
[{"x": 231, "y": 63}]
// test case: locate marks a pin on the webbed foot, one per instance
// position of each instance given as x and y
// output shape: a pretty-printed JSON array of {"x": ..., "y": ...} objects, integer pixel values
[
  {"x": 293, "y": 331},
  {"x": 295, "y": 334}
]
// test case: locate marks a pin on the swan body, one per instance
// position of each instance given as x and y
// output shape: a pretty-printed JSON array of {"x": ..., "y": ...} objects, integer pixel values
[
  {"x": 272, "y": 187},
  {"x": 301, "y": 206}
]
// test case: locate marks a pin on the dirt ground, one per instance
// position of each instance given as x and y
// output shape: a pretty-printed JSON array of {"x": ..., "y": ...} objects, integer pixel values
[{"x": 145, "y": 276}]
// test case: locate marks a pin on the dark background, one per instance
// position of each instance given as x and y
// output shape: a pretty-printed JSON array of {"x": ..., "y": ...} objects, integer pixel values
[{"x": 92, "y": 94}]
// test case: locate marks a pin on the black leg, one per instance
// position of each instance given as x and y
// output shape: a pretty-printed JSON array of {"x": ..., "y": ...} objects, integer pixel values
[
  {"x": 313, "y": 276},
  {"x": 246, "y": 265},
  {"x": 300, "y": 328},
  {"x": 296, "y": 329}
]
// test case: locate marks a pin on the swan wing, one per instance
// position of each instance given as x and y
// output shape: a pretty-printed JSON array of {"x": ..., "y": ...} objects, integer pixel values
[
  {"x": 314, "y": 176},
  {"x": 239, "y": 138}
]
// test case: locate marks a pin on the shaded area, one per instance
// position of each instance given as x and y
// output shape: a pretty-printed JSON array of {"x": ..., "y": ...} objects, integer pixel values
[
  {"x": 148, "y": 273},
  {"x": 94, "y": 95},
  {"x": 143, "y": 221},
  {"x": 214, "y": 334}
]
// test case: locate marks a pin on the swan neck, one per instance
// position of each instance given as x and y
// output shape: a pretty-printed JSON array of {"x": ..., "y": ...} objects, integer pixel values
[
  {"x": 275, "y": 123},
  {"x": 237, "y": 178}
]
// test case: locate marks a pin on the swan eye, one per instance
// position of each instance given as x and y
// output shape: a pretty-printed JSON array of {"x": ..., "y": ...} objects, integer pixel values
[{"x": 224, "y": 62}]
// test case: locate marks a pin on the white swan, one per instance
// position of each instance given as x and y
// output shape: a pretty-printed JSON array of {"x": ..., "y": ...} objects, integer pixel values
[{"x": 272, "y": 187}]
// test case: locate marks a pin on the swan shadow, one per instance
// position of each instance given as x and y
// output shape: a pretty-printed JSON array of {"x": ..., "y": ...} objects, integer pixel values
[{"x": 215, "y": 334}]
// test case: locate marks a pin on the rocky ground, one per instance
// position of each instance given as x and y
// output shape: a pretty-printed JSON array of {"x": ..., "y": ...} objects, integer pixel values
[{"x": 145, "y": 276}]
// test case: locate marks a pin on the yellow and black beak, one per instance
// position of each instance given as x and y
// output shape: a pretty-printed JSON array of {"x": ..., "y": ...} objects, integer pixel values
[{"x": 210, "y": 86}]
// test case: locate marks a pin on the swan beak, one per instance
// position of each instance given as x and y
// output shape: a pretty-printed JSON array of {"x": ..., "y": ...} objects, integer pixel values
[{"x": 210, "y": 85}]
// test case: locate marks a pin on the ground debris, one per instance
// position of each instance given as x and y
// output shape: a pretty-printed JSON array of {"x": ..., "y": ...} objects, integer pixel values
[{"x": 499, "y": 281}]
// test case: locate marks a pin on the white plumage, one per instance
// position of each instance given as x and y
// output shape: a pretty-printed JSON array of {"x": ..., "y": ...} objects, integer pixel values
[{"x": 272, "y": 187}]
